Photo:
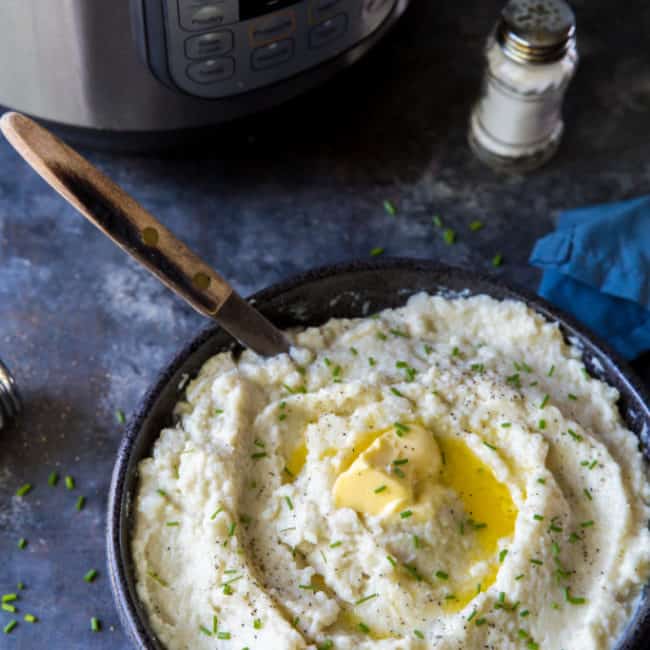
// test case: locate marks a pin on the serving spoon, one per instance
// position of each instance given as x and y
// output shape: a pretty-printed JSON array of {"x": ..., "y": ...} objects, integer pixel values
[{"x": 136, "y": 231}]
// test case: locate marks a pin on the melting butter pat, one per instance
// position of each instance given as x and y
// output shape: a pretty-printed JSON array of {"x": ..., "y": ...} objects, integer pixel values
[{"x": 391, "y": 474}]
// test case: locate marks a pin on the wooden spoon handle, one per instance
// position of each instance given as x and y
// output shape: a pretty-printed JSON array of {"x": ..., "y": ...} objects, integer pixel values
[{"x": 117, "y": 215}]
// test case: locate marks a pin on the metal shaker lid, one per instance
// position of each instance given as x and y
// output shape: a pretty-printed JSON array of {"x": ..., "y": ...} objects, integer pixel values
[
  {"x": 10, "y": 402},
  {"x": 536, "y": 31}
]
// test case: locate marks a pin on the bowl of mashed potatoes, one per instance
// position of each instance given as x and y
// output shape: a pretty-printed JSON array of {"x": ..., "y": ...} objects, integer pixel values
[{"x": 440, "y": 462}]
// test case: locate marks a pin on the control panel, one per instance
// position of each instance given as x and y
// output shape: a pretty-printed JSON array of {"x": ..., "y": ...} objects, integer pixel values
[{"x": 220, "y": 48}]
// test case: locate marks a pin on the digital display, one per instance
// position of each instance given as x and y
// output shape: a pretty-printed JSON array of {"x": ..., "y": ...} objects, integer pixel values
[{"x": 253, "y": 8}]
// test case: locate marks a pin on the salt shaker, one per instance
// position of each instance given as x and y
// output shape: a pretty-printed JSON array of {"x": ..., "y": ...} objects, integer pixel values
[
  {"x": 10, "y": 403},
  {"x": 531, "y": 57}
]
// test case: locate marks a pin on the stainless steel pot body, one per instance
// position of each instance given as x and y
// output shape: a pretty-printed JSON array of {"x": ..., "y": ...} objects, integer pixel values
[{"x": 80, "y": 63}]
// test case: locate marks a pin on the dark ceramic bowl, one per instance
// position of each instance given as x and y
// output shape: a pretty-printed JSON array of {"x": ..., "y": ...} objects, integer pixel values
[{"x": 350, "y": 290}]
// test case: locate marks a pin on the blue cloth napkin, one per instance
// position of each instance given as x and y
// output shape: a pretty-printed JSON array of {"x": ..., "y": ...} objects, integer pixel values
[{"x": 597, "y": 267}]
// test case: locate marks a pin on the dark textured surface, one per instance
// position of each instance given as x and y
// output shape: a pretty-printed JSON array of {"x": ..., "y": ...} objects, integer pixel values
[{"x": 86, "y": 332}]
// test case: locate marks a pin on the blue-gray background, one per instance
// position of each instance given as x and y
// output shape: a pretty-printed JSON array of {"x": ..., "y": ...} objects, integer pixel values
[{"x": 86, "y": 331}]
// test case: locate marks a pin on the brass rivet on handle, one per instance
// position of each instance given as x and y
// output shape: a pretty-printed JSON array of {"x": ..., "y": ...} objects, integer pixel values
[
  {"x": 201, "y": 281},
  {"x": 150, "y": 236}
]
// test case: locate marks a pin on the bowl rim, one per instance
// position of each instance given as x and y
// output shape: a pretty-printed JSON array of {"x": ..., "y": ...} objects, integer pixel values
[{"x": 125, "y": 600}]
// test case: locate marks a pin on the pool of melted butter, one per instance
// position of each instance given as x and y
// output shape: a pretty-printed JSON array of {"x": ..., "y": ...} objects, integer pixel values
[{"x": 393, "y": 471}]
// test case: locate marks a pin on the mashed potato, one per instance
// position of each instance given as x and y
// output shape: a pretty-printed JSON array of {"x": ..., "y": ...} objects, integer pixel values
[{"x": 443, "y": 475}]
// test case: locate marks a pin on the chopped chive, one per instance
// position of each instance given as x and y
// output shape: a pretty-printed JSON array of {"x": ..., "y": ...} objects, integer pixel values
[
  {"x": 455, "y": 352},
  {"x": 30, "y": 618},
  {"x": 381, "y": 336},
  {"x": 205, "y": 630},
  {"x": 472, "y": 615},
  {"x": 544, "y": 401},
  {"x": 154, "y": 576},
  {"x": 335, "y": 544},
  {"x": 392, "y": 561},
  {"x": 572, "y": 397},
  {"x": 538, "y": 517},
  {"x": 95, "y": 624},
  {"x": 213, "y": 516},
  {"x": 401, "y": 461},
  {"x": 69, "y": 482},
  {"x": 593, "y": 464},
  {"x": 20, "y": 586},
  {"x": 364, "y": 628},
  {"x": 449, "y": 236},
  {"x": 24, "y": 489},
  {"x": 520, "y": 576},
  {"x": 536, "y": 561},
  {"x": 307, "y": 587},
  {"x": 413, "y": 571},
  {"x": 399, "y": 334},
  {"x": 258, "y": 455},
  {"x": 231, "y": 529},
  {"x": 573, "y": 538},
  {"x": 541, "y": 481},
  {"x": 365, "y": 599},
  {"x": 437, "y": 221},
  {"x": 259, "y": 443},
  {"x": 224, "y": 636},
  {"x": 419, "y": 634},
  {"x": 8, "y": 628},
  {"x": 555, "y": 548},
  {"x": 427, "y": 349},
  {"x": 487, "y": 444},
  {"x": 372, "y": 361},
  {"x": 405, "y": 514},
  {"x": 416, "y": 541},
  {"x": 574, "y": 435},
  {"x": 119, "y": 416},
  {"x": 475, "y": 225},
  {"x": 9, "y": 598},
  {"x": 215, "y": 624},
  {"x": 477, "y": 367},
  {"x": 531, "y": 645},
  {"x": 554, "y": 528},
  {"x": 81, "y": 502},
  {"x": 389, "y": 208},
  {"x": 514, "y": 380},
  {"x": 481, "y": 621},
  {"x": 587, "y": 494},
  {"x": 53, "y": 479},
  {"x": 376, "y": 251},
  {"x": 523, "y": 613},
  {"x": 542, "y": 424},
  {"x": 326, "y": 645},
  {"x": 551, "y": 371},
  {"x": 587, "y": 524},
  {"x": 90, "y": 575},
  {"x": 22, "y": 543},
  {"x": 380, "y": 489},
  {"x": 257, "y": 624},
  {"x": 502, "y": 555},
  {"x": 522, "y": 633},
  {"x": 289, "y": 503},
  {"x": 172, "y": 524},
  {"x": 497, "y": 260},
  {"x": 506, "y": 425},
  {"x": 442, "y": 575},
  {"x": 399, "y": 427},
  {"x": 574, "y": 600},
  {"x": 8, "y": 608}
]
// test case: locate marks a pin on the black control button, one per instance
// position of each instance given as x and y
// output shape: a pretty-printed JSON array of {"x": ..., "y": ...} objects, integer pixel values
[
  {"x": 207, "y": 72},
  {"x": 327, "y": 31},
  {"x": 319, "y": 10},
  {"x": 198, "y": 15},
  {"x": 272, "y": 55},
  {"x": 272, "y": 28},
  {"x": 209, "y": 45}
]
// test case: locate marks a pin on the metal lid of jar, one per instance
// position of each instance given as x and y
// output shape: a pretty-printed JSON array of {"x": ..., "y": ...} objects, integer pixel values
[
  {"x": 10, "y": 403},
  {"x": 536, "y": 31}
]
